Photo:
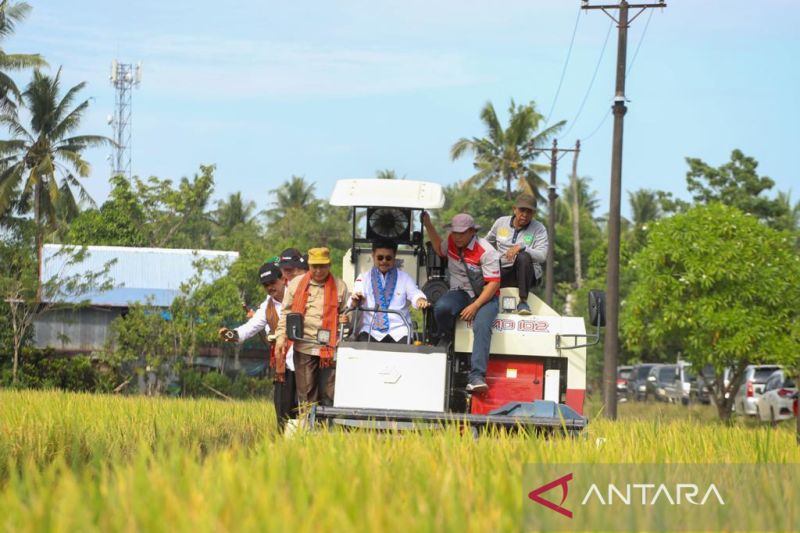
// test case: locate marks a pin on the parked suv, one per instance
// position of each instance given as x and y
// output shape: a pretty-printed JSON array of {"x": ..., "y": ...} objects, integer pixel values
[
  {"x": 752, "y": 387},
  {"x": 777, "y": 402},
  {"x": 707, "y": 377},
  {"x": 658, "y": 380},
  {"x": 637, "y": 381}
]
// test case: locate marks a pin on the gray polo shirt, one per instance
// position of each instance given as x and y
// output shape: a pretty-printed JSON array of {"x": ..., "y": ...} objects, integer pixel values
[
  {"x": 532, "y": 237},
  {"x": 479, "y": 258}
]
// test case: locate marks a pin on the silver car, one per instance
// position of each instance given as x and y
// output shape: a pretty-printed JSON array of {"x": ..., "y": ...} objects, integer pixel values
[{"x": 755, "y": 378}]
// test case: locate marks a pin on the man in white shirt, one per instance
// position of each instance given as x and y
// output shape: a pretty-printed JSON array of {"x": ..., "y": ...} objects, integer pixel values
[
  {"x": 386, "y": 287},
  {"x": 265, "y": 320}
]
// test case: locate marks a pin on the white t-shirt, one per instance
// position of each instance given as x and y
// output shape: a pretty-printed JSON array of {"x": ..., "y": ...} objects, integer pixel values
[
  {"x": 405, "y": 293},
  {"x": 258, "y": 322}
]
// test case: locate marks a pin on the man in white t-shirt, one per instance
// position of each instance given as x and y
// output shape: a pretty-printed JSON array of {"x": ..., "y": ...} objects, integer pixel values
[
  {"x": 387, "y": 287},
  {"x": 265, "y": 320}
]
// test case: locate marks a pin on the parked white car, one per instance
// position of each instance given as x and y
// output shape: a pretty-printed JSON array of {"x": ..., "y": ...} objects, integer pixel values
[
  {"x": 777, "y": 401},
  {"x": 755, "y": 378}
]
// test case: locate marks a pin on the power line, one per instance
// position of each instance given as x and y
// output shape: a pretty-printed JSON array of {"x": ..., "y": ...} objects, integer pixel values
[
  {"x": 564, "y": 69},
  {"x": 630, "y": 67},
  {"x": 591, "y": 83},
  {"x": 641, "y": 40}
]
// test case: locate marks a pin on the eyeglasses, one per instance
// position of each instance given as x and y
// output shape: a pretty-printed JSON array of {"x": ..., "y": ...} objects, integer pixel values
[{"x": 384, "y": 257}]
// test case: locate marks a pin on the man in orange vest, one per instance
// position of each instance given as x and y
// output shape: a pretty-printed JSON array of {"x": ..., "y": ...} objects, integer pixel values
[{"x": 320, "y": 297}]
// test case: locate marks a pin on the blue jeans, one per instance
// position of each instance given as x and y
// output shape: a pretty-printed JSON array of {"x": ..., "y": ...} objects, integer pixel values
[{"x": 446, "y": 311}]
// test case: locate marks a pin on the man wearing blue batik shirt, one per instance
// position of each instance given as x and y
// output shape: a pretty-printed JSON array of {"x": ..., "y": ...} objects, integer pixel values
[{"x": 387, "y": 287}]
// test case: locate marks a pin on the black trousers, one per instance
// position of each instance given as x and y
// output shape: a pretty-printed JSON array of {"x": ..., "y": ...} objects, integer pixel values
[
  {"x": 285, "y": 399},
  {"x": 521, "y": 275},
  {"x": 363, "y": 336}
]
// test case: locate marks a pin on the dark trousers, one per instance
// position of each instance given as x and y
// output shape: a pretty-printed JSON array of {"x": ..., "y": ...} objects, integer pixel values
[
  {"x": 363, "y": 336},
  {"x": 447, "y": 310},
  {"x": 314, "y": 384},
  {"x": 521, "y": 275},
  {"x": 285, "y": 399}
]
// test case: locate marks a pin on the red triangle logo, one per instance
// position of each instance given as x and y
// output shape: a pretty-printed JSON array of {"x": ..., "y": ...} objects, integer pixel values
[{"x": 536, "y": 495}]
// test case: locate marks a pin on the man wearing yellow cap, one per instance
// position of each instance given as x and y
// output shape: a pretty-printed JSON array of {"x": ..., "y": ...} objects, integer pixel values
[{"x": 320, "y": 297}]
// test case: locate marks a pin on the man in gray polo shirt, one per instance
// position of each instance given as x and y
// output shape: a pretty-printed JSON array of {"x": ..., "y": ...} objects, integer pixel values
[{"x": 522, "y": 243}]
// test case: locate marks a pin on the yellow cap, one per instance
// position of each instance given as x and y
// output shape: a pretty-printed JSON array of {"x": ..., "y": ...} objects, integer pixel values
[{"x": 319, "y": 256}]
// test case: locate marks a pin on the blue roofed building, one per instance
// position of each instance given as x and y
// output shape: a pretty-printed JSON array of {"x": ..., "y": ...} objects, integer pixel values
[{"x": 138, "y": 275}]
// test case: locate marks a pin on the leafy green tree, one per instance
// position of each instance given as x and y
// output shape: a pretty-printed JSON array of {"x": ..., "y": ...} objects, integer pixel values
[
  {"x": 721, "y": 288},
  {"x": 324, "y": 225},
  {"x": 178, "y": 215},
  {"x": 509, "y": 153},
  {"x": 30, "y": 163},
  {"x": 11, "y": 13},
  {"x": 119, "y": 222},
  {"x": 737, "y": 184}
]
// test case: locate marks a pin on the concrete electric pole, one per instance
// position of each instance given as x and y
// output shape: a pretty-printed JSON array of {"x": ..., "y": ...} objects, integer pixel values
[
  {"x": 551, "y": 221},
  {"x": 611, "y": 349}
]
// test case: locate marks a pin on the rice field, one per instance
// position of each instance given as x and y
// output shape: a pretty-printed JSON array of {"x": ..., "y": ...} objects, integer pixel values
[{"x": 76, "y": 462}]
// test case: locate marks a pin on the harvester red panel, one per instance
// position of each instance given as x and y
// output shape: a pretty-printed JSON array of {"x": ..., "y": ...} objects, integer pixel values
[{"x": 510, "y": 379}]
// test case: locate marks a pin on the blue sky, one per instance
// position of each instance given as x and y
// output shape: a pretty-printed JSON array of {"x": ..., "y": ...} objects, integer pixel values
[{"x": 335, "y": 89}]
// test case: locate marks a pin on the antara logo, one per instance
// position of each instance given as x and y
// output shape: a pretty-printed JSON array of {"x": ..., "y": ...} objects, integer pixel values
[
  {"x": 536, "y": 495},
  {"x": 645, "y": 494}
]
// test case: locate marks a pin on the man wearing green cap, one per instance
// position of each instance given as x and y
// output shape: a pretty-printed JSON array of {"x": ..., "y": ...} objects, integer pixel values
[{"x": 522, "y": 243}]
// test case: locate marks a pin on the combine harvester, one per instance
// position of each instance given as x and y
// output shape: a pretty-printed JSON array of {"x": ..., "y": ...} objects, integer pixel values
[{"x": 537, "y": 364}]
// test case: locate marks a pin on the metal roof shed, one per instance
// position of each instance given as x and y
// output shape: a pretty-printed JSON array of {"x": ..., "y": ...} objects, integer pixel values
[{"x": 139, "y": 275}]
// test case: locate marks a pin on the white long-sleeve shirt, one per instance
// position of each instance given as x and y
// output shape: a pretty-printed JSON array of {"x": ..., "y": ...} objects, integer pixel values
[
  {"x": 406, "y": 293},
  {"x": 258, "y": 323}
]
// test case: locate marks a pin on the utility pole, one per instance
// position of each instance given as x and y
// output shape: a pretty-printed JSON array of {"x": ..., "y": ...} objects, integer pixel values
[
  {"x": 576, "y": 221},
  {"x": 551, "y": 221},
  {"x": 611, "y": 347}
]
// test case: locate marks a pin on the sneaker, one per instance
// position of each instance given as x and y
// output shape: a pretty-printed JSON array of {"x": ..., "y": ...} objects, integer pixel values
[
  {"x": 477, "y": 385},
  {"x": 523, "y": 308}
]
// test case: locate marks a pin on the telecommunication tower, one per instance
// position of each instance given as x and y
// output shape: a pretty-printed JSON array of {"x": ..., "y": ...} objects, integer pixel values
[{"x": 124, "y": 77}]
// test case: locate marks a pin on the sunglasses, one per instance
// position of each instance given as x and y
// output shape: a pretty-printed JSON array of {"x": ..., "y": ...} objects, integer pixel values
[{"x": 384, "y": 257}]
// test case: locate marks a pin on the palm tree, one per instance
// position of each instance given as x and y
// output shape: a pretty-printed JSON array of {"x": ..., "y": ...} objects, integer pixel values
[
  {"x": 790, "y": 214},
  {"x": 388, "y": 174},
  {"x": 292, "y": 194},
  {"x": 10, "y": 14},
  {"x": 31, "y": 162},
  {"x": 645, "y": 206},
  {"x": 509, "y": 154},
  {"x": 233, "y": 212}
]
